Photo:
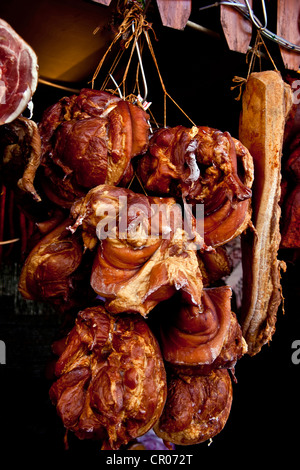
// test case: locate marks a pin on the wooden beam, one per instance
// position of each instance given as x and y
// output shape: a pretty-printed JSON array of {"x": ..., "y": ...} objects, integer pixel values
[
  {"x": 236, "y": 28},
  {"x": 174, "y": 13},
  {"x": 103, "y": 2},
  {"x": 288, "y": 17}
]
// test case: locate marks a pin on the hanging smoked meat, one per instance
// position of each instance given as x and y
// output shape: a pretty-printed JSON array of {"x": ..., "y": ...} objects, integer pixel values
[
  {"x": 197, "y": 407},
  {"x": 290, "y": 184},
  {"x": 143, "y": 254},
  {"x": 87, "y": 140},
  {"x": 203, "y": 166},
  {"x": 20, "y": 147},
  {"x": 198, "y": 339},
  {"x": 51, "y": 272},
  {"x": 290, "y": 222},
  {"x": 111, "y": 380},
  {"x": 266, "y": 103}
]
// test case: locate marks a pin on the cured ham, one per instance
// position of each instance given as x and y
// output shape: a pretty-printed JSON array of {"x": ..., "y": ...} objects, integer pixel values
[
  {"x": 111, "y": 380},
  {"x": 203, "y": 166},
  {"x": 18, "y": 73},
  {"x": 48, "y": 271},
  {"x": 196, "y": 340},
  {"x": 87, "y": 140},
  {"x": 197, "y": 408},
  {"x": 149, "y": 260}
]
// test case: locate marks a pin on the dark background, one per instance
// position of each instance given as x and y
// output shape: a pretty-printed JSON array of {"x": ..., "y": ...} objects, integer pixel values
[{"x": 197, "y": 70}]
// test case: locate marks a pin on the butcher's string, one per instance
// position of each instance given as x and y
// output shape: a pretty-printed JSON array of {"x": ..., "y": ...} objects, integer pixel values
[{"x": 130, "y": 30}]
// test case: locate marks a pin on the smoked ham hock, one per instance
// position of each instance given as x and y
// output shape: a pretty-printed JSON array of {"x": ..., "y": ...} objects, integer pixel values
[
  {"x": 111, "y": 380},
  {"x": 87, "y": 140},
  {"x": 198, "y": 339},
  {"x": 204, "y": 166},
  {"x": 266, "y": 103},
  {"x": 146, "y": 255},
  {"x": 197, "y": 408},
  {"x": 48, "y": 272}
]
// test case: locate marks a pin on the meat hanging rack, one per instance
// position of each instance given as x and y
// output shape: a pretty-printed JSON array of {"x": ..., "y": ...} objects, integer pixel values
[{"x": 237, "y": 20}]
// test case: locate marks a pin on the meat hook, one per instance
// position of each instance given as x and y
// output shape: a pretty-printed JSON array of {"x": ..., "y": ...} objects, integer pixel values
[
  {"x": 141, "y": 64},
  {"x": 254, "y": 20},
  {"x": 117, "y": 86}
]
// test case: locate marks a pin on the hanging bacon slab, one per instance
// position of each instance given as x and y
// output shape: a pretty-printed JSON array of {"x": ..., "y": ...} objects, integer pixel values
[
  {"x": 89, "y": 140},
  {"x": 18, "y": 73},
  {"x": 203, "y": 166},
  {"x": 111, "y": 381},
  {"x": 146, "y": 256},
  {"x": 197, "y": 408},
  {"x": 266, "y": 102}
]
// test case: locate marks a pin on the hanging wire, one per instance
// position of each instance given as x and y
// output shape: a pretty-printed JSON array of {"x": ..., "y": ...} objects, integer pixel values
[
  {"x": 253, "y": 18},
  {"x": 134, "y": 25},
  {"x": 117, "y": 86},
  {"x": 248, "y": 13},
  {"x": 140, "y": 63}
]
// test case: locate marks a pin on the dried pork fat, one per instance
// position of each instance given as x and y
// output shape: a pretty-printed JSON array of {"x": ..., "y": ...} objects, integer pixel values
[{"x": 266, "y": 102}]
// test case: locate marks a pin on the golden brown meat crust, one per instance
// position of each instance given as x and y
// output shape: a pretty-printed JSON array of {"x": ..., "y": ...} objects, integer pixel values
[
  {"x": 197, "y": 408},
  {"x": 204, "y": 166},
  {"x": 145, "y": 255},
  {"x": 197, "y": 339},
  {"x": 89, "y": 140},
  {"x": 111, "y": 378},
  {"x": 50, "y": 266},
  {"x": 266, "y": 102},
  {"x": 214, "y": 265}
]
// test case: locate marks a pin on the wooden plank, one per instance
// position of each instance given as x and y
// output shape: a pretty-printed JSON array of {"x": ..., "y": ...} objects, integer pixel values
[
  {"x": 174, "y": 13},
  {"x": 236, "y": 28},
  {"x": 288, "y": 15}
]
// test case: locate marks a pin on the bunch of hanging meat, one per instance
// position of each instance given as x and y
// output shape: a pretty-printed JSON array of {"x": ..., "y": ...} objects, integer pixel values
[
  {"x": 290, "y": 185},
  {"x": 130, "y": 241}
]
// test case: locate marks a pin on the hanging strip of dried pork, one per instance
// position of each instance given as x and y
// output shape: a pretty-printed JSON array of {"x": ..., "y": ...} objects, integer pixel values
[{"x": 266, "y": 102}]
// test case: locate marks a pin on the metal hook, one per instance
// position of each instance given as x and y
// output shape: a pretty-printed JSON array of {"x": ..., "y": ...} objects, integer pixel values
[
  {"x": 265, "y": 13},
  {"x": 141, "y": 64},
  {"x": 254, "y": 19},
  {"x": 246, "y": 8},
  {"x": 117, "y": 86}
]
